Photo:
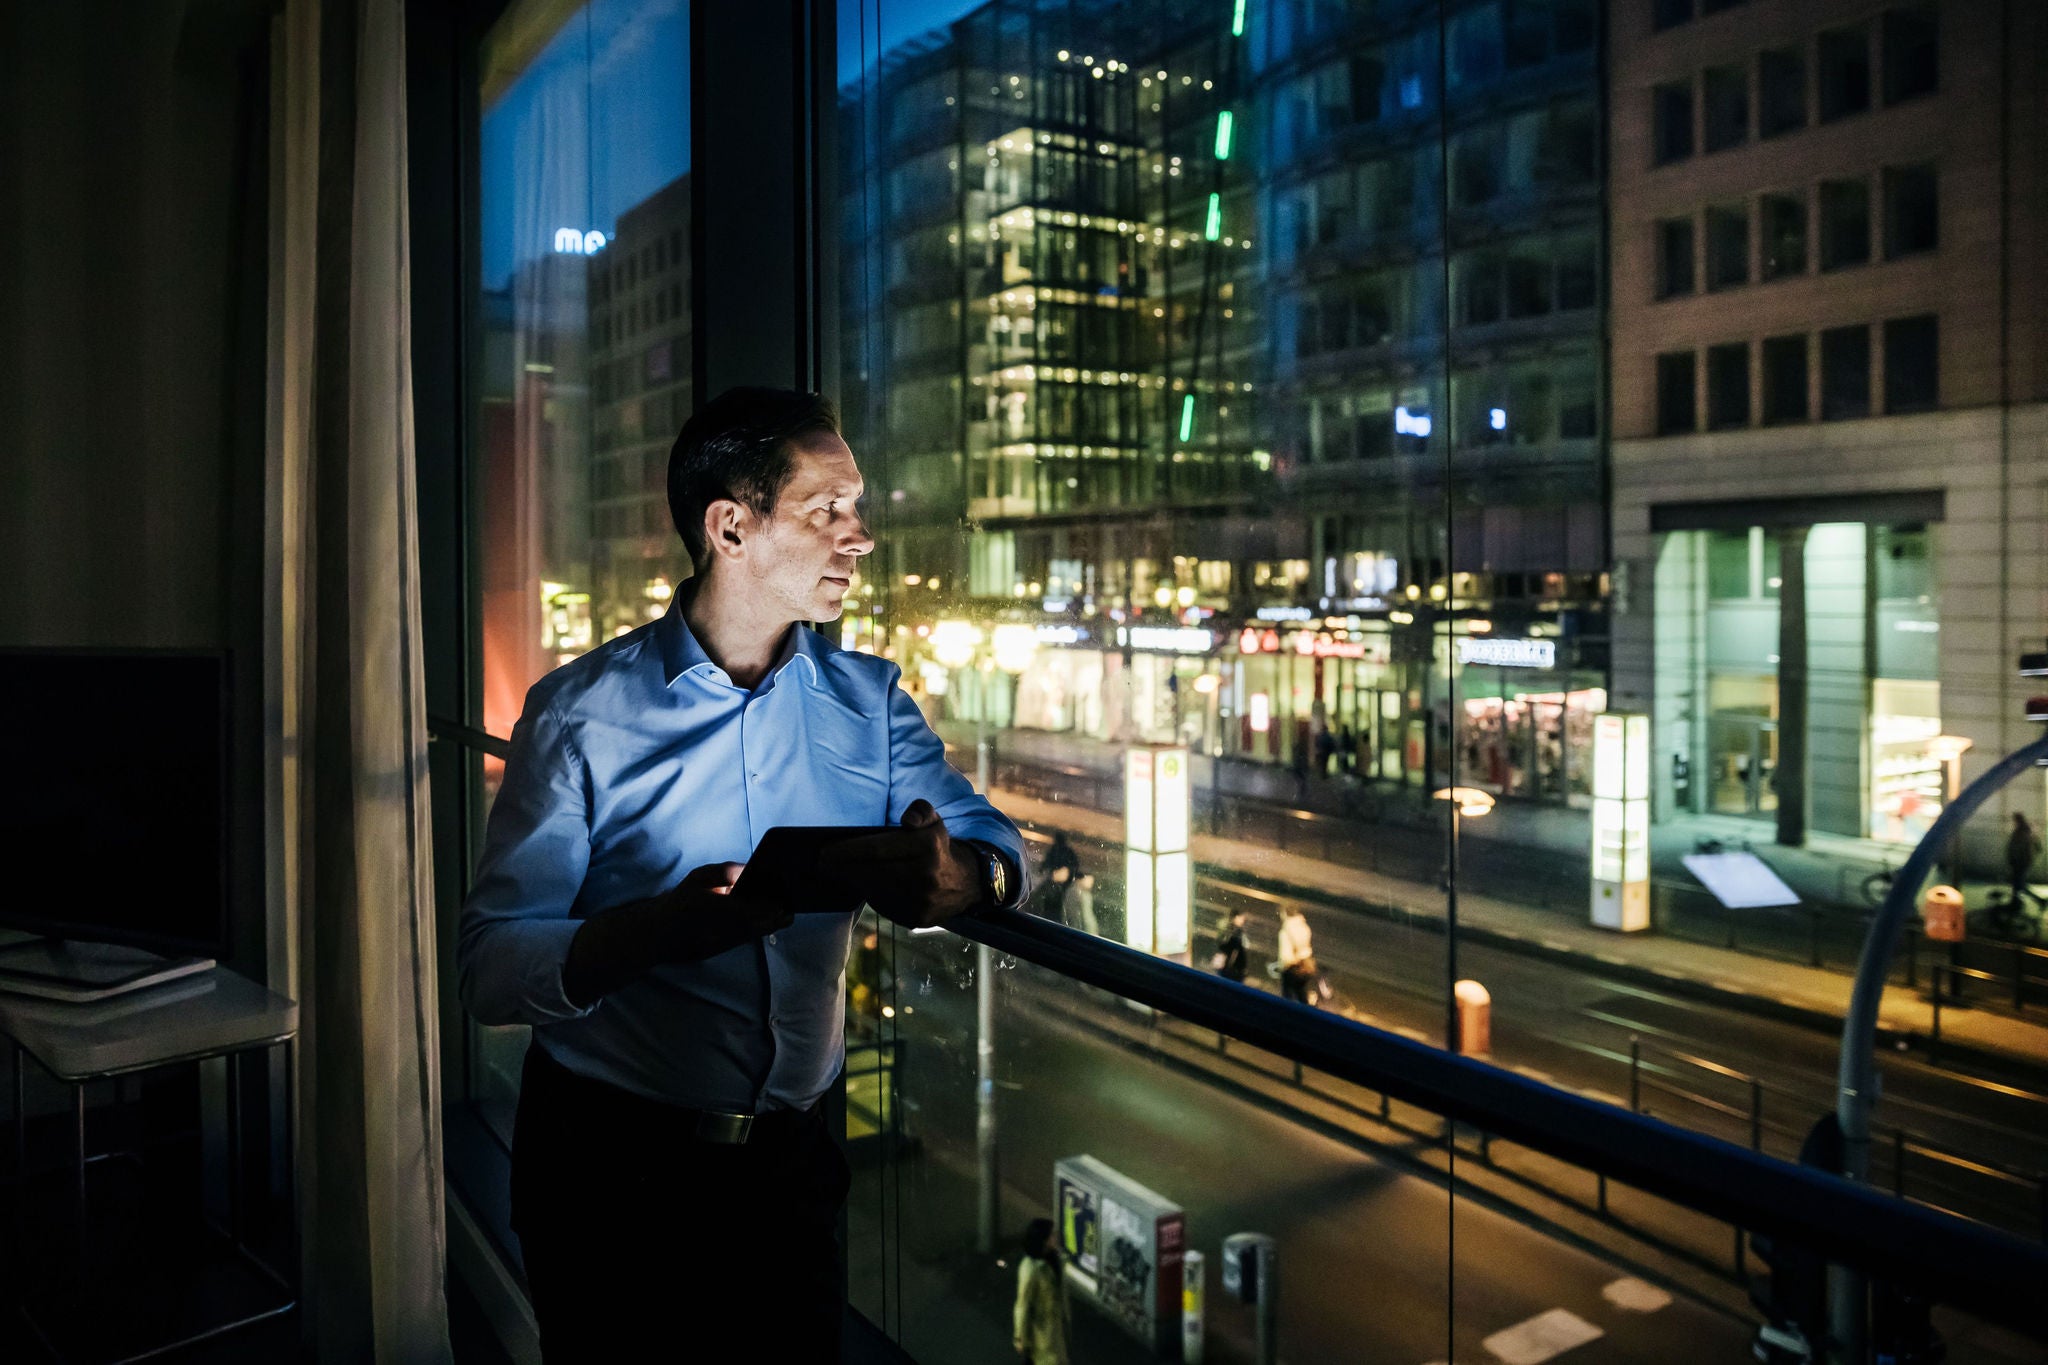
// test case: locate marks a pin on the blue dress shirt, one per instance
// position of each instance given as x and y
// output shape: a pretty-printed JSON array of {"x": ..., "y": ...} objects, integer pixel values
[{"x": 642, "y": 760}]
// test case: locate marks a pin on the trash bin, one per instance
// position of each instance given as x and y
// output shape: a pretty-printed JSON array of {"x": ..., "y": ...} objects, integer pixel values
[
  {"x": 1941, "y": 910},
  {"x": 1475, "y": 1018}
]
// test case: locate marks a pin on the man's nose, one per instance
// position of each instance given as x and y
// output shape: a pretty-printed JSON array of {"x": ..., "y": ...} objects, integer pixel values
[{"x": 859, "y": 541}]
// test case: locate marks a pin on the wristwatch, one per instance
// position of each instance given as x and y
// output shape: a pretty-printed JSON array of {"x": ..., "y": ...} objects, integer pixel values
[{"x": 995, "y": 874}]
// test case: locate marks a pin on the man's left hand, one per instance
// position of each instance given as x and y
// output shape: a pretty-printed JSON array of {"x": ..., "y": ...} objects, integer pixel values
[{"x": 914, "y": 874}]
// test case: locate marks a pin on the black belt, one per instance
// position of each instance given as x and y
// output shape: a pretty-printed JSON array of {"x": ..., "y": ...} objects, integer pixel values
[{"x": 550, "y": 1083}]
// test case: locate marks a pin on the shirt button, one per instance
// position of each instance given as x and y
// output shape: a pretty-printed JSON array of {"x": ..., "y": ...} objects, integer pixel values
[{"x": 771, "y": 939}]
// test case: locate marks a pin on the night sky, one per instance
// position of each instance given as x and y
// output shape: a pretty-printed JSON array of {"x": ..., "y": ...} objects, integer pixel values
[{"x": 601, "y": 119}]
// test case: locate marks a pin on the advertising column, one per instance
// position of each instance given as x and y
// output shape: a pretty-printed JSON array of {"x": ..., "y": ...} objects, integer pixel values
[
  {"x": 1157, "y": 884},
  {"x": 1621, "y": 821}
]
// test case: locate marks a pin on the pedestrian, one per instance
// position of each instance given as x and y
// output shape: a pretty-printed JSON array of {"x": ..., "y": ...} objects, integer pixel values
[
  {"x": 1062, "y": 864},
  {"x": 1232, "y": 951},
  {"x": 1038, "y": 1323},
  {"x": 1083, "y": 917},
  {"x": 2020, "y": 852},
  {"x": 1299, "y": 978},
  {"x": 1326, "y": 749},
  {"x": 684, "y": 1037}
]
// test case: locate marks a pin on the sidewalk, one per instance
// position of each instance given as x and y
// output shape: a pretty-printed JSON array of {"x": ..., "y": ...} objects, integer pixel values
[{"x": 1816, "y": 998}]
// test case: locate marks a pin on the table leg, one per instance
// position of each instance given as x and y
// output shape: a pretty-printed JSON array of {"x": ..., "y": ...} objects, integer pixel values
[
  {"x": 235, "y": 1147},
  {"x": 78, "y": 1126}
]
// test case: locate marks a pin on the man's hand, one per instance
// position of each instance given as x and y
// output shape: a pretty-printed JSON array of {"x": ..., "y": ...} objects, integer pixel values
[
  {"x": 706, "y": 919},
  {"x": 914, "y": 874},
  {"x": 697, "y": 918}
]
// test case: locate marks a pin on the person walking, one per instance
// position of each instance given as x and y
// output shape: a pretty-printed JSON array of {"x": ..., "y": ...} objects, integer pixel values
[
  {"x": 2021, "y": 849},
  {"x": 1038, "y": 1323},
  {"x": 1083, "y": 917},
  {"x": 1232, "y": 951},
  {"x": 1057, "y": 874},
  {"x": 1299, "y": 979}
]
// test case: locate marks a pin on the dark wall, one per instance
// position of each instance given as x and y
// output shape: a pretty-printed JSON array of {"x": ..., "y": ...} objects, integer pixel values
[{"x": 134, "y": 151}]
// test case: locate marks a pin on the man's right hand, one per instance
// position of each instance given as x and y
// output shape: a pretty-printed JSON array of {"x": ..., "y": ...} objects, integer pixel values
[
  {"x": 706, "y": 919},
  {"x": 697, "y": 918}
]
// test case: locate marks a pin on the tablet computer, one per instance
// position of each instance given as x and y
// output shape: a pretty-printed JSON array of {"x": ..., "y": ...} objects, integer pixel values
[{"x": 786, "y": 866}]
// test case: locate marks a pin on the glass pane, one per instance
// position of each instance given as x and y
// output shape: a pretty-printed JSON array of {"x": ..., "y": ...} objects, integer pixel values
[{"x": 582, "y": 372}]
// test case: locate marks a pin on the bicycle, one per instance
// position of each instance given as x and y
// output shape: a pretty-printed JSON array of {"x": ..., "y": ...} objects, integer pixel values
[
  {"x": 1878, "y": 885},
  {"x": 2009, "y": 917}
]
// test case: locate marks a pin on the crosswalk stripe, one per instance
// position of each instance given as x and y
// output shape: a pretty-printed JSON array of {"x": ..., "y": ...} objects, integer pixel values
[
  {"x": 1543, "y": 1337},
  {"x": 1635, "y": 1296}
]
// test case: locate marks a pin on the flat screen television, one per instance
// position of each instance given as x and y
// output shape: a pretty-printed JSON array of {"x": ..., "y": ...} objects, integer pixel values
[{"x": 113, "y": 797}]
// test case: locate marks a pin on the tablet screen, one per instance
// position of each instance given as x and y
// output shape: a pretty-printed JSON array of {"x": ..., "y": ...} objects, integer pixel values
[{"x": 785, "y": 866}]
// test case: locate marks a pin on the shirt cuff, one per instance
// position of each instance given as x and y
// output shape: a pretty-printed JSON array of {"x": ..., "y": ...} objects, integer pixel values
[{"x": 549, "y": 955}]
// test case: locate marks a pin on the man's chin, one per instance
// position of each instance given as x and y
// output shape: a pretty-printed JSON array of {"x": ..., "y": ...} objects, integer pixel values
[{"x": 830, "y": 609}]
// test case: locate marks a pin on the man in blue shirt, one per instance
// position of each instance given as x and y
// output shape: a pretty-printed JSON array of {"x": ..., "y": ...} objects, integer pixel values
[{"x": 672, "y": 1177}]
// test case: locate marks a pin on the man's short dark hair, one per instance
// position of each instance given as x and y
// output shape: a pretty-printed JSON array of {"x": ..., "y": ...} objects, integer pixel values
[{"x": 740, "y": 445}]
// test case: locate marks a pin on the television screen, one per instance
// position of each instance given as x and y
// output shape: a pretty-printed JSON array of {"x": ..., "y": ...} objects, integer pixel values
[{"x": 113, "y": 802}]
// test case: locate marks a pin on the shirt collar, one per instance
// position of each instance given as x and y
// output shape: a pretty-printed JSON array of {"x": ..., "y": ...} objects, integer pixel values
[{"x": 682, "y": 652}]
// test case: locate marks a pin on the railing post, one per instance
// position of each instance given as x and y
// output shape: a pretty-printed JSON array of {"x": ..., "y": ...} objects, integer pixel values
[
  {"x": 1934, "y": 976},
  {"x": 1756, "y": 1115},
  {"x": 2019, "y": 980},
  {"x": 1813, "y": 924},
  {"x": 1600, "y": 1184},
  {"x": 1899, "y": 1162},
  {"x": 1635, "y": 1074}
]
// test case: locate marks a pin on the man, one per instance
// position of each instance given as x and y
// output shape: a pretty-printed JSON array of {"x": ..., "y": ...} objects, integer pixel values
[
  {"x": 1299, "y": 979},
  {"x": 1232, "y": 957},
  {"x": 1041, "y": 1315},
  {"x": 2021, "y": 849},
  {"x": 674, "y": 1189}
]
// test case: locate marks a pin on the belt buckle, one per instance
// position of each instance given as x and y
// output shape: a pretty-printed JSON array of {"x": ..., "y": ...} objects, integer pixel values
[{"x": 729, "y": 1129}]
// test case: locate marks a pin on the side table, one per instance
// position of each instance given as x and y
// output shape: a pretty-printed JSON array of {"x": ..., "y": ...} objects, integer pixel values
[{"x": 212, "y": 1014}]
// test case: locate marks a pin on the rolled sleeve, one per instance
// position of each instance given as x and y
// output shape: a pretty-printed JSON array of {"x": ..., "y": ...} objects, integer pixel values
[
  {"x": 918, "y": 769},
  {"x": 519, "y": 919}
]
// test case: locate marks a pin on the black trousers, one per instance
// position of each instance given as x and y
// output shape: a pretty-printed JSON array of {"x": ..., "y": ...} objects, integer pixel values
[{"x": 643, "y": 1243}]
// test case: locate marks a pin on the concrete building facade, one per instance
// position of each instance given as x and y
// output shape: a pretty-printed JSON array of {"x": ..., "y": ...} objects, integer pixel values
[{"x": 1829, "y": 365}]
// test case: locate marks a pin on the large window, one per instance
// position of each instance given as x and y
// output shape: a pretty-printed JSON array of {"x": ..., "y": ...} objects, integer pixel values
[
  {"x": 1783, "y": 222},
  {"x": 1912, "y": 52},
  {"x": 1844, "y": 223},
  {"x": 1725, "y": 107},
  {"x": 1845, "y": 373},
  {"x": 1843, "y": 71},
  {"x": 1728, "y": 386},
  {"x": 582, "y": 333},
  {"x": 1727, "y": 246},
  {"x": 1784, "y": 375},
  {"x": 1912, "y": 211},
  {"x": 1674, "y": 257},
  {"x": 1676, "y": 410},
  {"x": 1912, "y": 364},
  {"x": 1781, "y": 90},
  {"x": 1671, "y": 122}
]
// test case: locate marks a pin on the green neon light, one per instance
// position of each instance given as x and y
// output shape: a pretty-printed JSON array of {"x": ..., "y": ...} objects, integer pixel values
[
  {"x": 1187, "y": 417},
  {"x": 1215, "y": 226},
  {"x": 1237, "y": 21},
  {"x": 1223, "y": 131}
]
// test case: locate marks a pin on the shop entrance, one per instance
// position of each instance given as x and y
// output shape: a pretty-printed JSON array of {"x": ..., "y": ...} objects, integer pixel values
[{"x": 1743, "y": 758}]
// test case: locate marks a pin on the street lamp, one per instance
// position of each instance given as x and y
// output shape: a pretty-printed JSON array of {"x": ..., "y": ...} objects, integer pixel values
[
  {"x": 1009, "y": 647},
  {"x": 1466, "y": 803}
]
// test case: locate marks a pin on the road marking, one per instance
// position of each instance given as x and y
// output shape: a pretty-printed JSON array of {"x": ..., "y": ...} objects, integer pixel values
[
  {"x": 1535, "y": 1075},
  {"x": 1556, "y": 947},
  {"x": 1412, "y": 1033},
  {"x": 1604, "y": 1097},
  {"x": 1637, "y": 1296},
  {"x": 1611, "y": 959},
  {"x": 1543, "y": 1337}
]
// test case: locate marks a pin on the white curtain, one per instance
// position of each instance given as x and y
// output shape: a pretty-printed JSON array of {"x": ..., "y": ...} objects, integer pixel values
[{"x": 351, "y": 885}]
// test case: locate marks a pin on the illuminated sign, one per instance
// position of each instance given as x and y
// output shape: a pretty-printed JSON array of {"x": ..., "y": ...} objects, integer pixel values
[
  {"x": 1261, "y": 713},
  {"x": 1497, "y": 418},
  {"x": 1408, "y": 423},
  {"x": 1621, "y": 821},
  {"x": 570, "y": 242},
  {"x": 1061, "y": 635},
  {"x": 1285, "y": 614},
  {"x": 1508, "y": 652},
  {"x": 1166, "y": 639},
  {"x": 1157, "y": 888}
]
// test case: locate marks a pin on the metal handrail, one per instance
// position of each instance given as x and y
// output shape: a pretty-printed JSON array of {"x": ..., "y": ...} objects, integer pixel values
[
  {"x": 1990, "y": 1273},
  {"x": 440, "y": 727},
  {"x": 1978, "y": 1268}
]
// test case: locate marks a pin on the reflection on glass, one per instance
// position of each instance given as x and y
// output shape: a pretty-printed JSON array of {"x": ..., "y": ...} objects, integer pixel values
[{"x": 582, "y": 378}]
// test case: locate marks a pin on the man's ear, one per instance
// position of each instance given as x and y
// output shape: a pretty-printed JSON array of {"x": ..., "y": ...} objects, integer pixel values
[{"x": 727, "y": 526}]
